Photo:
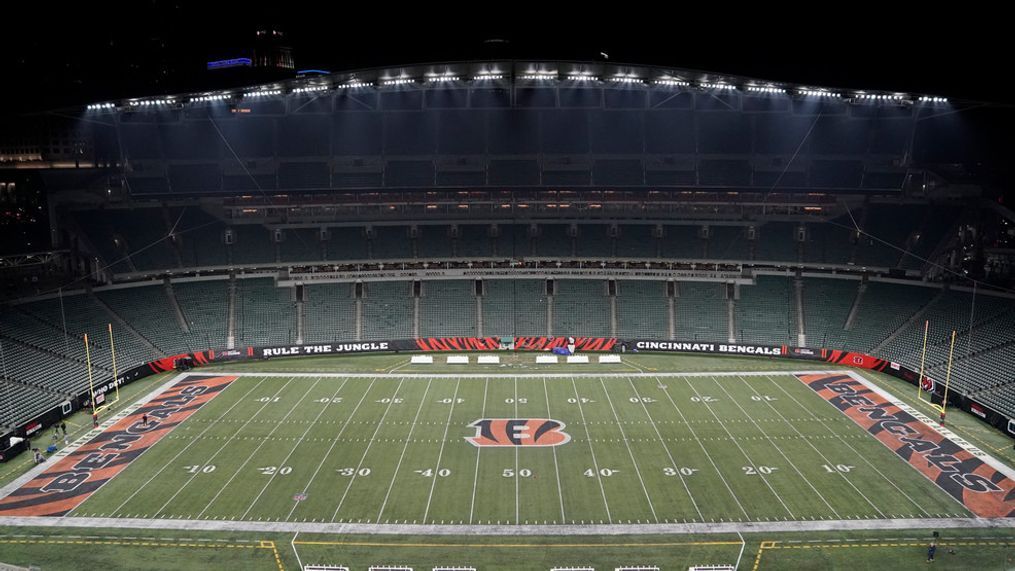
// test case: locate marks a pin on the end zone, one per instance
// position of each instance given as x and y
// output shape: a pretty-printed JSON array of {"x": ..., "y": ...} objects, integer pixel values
[
  {"x": 60, "y": 488},
  {"x": 979, "y": 482}
]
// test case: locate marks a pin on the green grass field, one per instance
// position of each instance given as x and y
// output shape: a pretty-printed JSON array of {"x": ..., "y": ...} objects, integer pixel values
[
  {"x": 392, "y": 448},
  {"x": 643, "y": 450}
]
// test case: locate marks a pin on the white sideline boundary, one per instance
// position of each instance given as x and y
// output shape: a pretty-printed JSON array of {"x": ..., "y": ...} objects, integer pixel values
[
  {"x": 509, "y": 375},
  {"x": 512, "y": 530}
]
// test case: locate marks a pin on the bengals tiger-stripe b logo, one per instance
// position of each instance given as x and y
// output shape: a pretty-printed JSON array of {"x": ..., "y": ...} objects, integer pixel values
[{"x": 518, "y": 432}]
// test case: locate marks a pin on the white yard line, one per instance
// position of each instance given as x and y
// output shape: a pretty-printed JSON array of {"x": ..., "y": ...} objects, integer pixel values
[
  {"x": 778, "y": 449},
  {"x": 440, "y": 454},
  {"x": 221, "y": 448},
  {"x": 630, "y": 453},
  {"x": 408, "y": 439},
  {"x": 741, "y": 448},
  {"x": 334, "y": 443},
  {"x": 373, "y": 437},
  {"x": 815, "y": 448},
  {"x": 861, "y": 456},
  {"x": 588, "y": 438},
  {"x": 518, "y": 506},
  {"x": 705, "y": 451},
  {"x": 169, "y": 462},
  {"x": 475, "y": 477},
  {"x": 666, "y": 448},
  {"x": 294, "y": 447},
  {"x": 257, "y": 449},
  {"x": 556, "y": 468}
]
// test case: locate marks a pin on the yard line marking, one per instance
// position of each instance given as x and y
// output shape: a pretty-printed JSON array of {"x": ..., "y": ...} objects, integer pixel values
[
  {"x": 334, "y": 443},
  {"x": 665, "y": 447},
  {"x": 739, "y": 447},
  {"x": 556, "y": 468},
  {"x": 440, "y": 454},
  {"x": 294, "y": 447},
  {"x": 187, "y": 447},
  {"x": 588, "y": 438},
  {"x": 848, "y": 445},
  {"x": 780, "y": 451},
  {"x": 475, "y": 477},
  {"x": 517, "y": 497},
  {"x": 401, "y": 457},
  {"x": 705, "y": 450},
  {"x": 630, "y": 453},
  {"x": 380, "y": 423},
  {"x": 221, "y": 448},
  {"x": 816, "y": 449},
  {"x": 256, "y": 450}
]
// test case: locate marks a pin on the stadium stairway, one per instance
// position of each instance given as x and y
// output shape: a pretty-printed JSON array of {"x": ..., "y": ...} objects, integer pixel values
[
  {"x": 175, "y": 303},
  {"x": 913, "y": 320},
  {"x": 127, "y": 326}
]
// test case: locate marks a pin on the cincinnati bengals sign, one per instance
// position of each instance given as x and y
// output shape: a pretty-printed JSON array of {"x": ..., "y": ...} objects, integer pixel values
[{"x": 518, "y": 432}]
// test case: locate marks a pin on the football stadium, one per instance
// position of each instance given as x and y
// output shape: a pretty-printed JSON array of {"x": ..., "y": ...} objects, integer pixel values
[{"x": 503, "y": 314}]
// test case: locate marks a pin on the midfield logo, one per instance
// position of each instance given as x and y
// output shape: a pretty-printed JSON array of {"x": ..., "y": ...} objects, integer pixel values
[{"x": 518, "y": 432}]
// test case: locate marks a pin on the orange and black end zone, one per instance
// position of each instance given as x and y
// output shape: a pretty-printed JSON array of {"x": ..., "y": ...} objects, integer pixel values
[
  {"x": 982, "y": 489},
  {"x": 65, "y": 485}
]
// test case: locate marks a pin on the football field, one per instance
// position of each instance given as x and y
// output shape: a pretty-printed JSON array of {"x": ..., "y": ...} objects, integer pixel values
[{"x": 518, "y": 450}]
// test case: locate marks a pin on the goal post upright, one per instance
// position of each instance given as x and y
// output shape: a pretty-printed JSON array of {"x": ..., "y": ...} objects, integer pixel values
[
  {"x": 88, "y": 364},
  {"x": 112, "y": 349},
  {"x": 923, "y": 357}
]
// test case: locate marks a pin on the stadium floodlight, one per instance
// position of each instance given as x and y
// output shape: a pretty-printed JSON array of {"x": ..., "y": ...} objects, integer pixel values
[
  {"x": 540, "y": 74},
  {"x": 263, "y": 93},
  {"x": 584, "y": 76},
  {"x": 720, "y": 86},
  {"x": 310, "y": 89},
  {"x": 626, "y": 79},
  {"x": 487, "y": 75},
  {"x": 932, "y": 99},
  {"x": 441, "y": 78},
  {"x": 398, "y": 81},
  {"x": 817, "y": 92},
  {"x": 353, "y": 83},
  {"x": 215, "y": 97},
  {"x": 765, "y": 89},
  {"x": 672, "y": 82}
]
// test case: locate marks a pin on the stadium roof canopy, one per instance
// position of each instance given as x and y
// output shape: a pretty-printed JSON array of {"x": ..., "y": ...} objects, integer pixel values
[{"x": 573, "y": 74}]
